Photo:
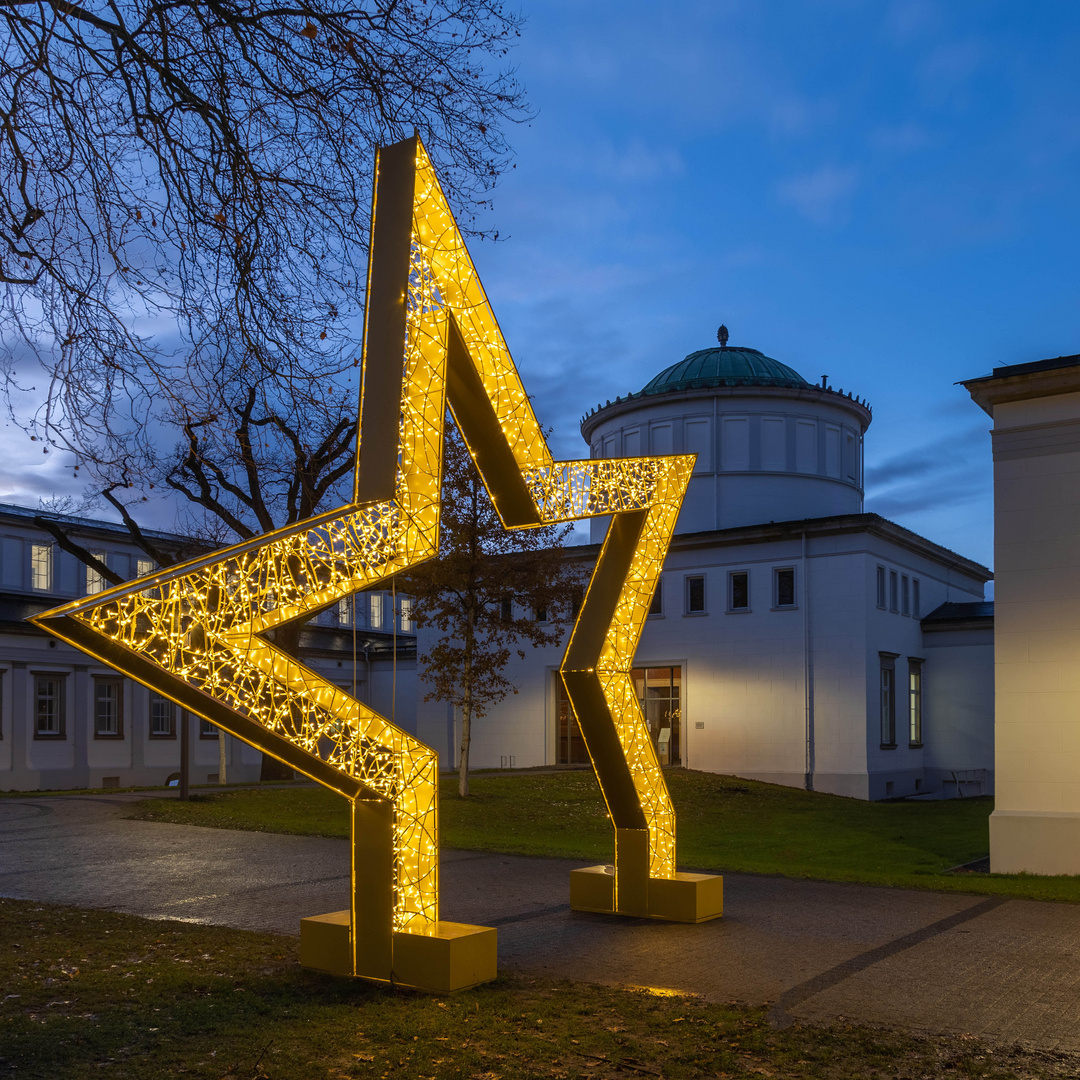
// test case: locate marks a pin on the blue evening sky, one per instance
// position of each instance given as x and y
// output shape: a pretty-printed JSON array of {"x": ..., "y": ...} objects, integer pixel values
[
  {"x": 885, "y": 193},
  {"x": 882, "y": 192}
]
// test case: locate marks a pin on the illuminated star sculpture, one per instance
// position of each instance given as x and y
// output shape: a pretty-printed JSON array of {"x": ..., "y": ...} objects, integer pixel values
[{"x": 196, "y": 632}]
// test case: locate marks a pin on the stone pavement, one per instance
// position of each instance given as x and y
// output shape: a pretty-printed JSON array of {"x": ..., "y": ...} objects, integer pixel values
[{"x": 1004, "y": 970}]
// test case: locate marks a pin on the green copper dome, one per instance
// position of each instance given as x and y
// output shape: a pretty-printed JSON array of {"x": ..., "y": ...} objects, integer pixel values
[{"x": 724, "y": 365}]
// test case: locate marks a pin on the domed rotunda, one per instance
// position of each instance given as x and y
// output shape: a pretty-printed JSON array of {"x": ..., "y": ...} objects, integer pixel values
[{"x": 770, "y": 446}]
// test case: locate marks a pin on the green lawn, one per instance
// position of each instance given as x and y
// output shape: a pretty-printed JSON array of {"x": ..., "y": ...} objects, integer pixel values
[
  {"x": 93, "y": 994},
  {"x": 724, "y": 824}
]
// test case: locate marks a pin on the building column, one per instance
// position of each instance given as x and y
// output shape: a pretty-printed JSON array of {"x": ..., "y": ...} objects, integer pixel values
[{"x": 1035, "y": 827}]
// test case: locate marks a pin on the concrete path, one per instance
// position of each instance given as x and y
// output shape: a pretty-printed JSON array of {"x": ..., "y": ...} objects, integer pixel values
[{"x": 1006, "y": 971}]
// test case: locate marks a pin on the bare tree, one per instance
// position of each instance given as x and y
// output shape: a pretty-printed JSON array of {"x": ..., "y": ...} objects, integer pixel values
[
  {"x": 489, "y": 593},
  {"x": 184, "y": 216},
  {"x": 184, "y": 192}
]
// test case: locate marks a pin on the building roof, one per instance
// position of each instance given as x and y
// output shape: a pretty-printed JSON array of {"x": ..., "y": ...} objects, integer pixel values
[
  {"x": 724, "y": 365},
  {"x": 952, "y": 612}
]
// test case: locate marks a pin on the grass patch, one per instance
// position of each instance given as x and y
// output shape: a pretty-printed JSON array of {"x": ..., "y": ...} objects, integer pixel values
[
  {"x": 724, "y": 824},
  {"x": 93, "y": 993}
]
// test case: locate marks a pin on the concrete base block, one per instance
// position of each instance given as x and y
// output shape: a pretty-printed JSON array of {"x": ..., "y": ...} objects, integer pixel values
[
  {"x": 688, "y": 898},
  {"x": 440, "y": 958},
  {"x": 1034, "y": 842}
]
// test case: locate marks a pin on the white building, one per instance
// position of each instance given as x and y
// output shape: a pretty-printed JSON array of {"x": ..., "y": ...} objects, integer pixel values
[
  {"x": 68, "y": 721},
  {"x": 793, "y": 638}
]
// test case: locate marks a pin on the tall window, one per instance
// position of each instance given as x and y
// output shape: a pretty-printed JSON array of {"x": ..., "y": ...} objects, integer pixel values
[
  {"x": 108, "y": 703},
  {"x": 881, "y": 586},
  {"x": 888, "y": 699},
  {"x": 144, "y": 567},
  {"x": 49, "y": 721},
  {"x": 540, "y": 614},
  {"x": 162, "y": 717},
  {"x": 95, "y": 581},
  {"x": 659, "y": 690},
  {"x": 914, "y": 667},
  {"x": 784, "y": 586},
  {"x": 695, "y": 594},
  {"x": 41, "y": 572},
  {"x": 506, "y": 608},
  {"x": 893, "y": 591},
  {"x": 656, "y": 605},
  {"x": 376, "y": 601},
  {"x": 915, "y": 609},
  {"x": 343, "y": 612},
  {"x": 905, "y": 595},
  {"x": 739, "y": 590},
  {"x": 406, "y": 615}
]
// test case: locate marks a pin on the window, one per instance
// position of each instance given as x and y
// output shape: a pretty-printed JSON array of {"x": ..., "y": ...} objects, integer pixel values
[
  {"x": 95, "y": 581},
  {"x": 914, "y": 667},
  {"x": 49, "y": 721},
  {"x": 540, "y": 614},
  {"x": 343, "y": 613},
  {"x": 888, "y": 700},
  {"x": 108, "y": 702},
  {"x": 207, "y": 730},
  {"x": 506, "y": 609},
  {"x": 656, "y": 605},
  {"x": 162, "y": 717},
  {"x": 784, "y": 579},
  {"x": 695, "y": 595},
  {"x": 659, "y": 692},
  {"x": 915, "y": 597},
  {"x": 41, "y": 567},
  {"x": 144, "y": 567},
  {"x": 893, "y": 590},
  {"x": 376, "y": 610},
  {"x": 905, "y": 595},
  {"x": 406, "y": 615},
  {"x": 739, "y": 591},
  {"x": 881, "y": 586}
]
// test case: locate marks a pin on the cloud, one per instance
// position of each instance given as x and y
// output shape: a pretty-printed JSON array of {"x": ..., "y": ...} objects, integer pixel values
[
  {"x": 951, "y": 471},
  {"x": 900, "y": 138},
  {"x": 820, "y": 196}
]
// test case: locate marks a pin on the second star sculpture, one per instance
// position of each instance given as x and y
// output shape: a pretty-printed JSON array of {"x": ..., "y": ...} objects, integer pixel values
[{"x": 196, "y": 632}]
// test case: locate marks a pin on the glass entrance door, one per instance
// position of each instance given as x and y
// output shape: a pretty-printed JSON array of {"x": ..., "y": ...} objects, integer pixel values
[
  {"x": 659, "y": 690},
  {"x": 569, "y": 745}
]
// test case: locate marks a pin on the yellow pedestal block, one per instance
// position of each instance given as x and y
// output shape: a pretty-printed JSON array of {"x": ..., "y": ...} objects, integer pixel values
[
  {"x": 442, "y": 958},
  {"x": 690, "y": 898}
]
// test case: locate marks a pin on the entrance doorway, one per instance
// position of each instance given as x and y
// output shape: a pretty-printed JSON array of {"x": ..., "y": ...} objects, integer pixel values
[{"x": 659, "y": 692}]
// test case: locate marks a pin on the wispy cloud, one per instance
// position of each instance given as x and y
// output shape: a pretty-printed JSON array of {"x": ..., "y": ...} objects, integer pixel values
[{"x": 820, "y": 196}]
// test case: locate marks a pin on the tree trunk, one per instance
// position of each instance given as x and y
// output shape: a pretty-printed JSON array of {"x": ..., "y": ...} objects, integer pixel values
[
  {"x": 466, "y": 704},
  {"x": 221, "y": 779}
]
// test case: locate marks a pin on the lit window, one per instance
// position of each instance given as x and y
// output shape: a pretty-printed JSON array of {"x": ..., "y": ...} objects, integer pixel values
[
  {"x": 95, "y": 581},
  {"x": 343, "y": 612},
  {"x": 656, "y": 605},
  {"x": 49, "y": 706},
  {"x": 376, "y": 610},
  {"x": 406, "y": 615},
  {"x": 695, "y": 595},
  {"x": 784, "y": 579},
  {"x": 905, "y": 595},
  {"x": 108, "y": 697},
  {"x": 915, "y": 701},
  {"x": 881, "y": 586},
  {"x": 162, "y": 717},
  {"x": 888, "y": 699},
  {"x": 144, "y": 567},
  {"x": 41, "y": 560},
  {"x": 893, "y": 591},
  {"x": 739, "y": 591}
]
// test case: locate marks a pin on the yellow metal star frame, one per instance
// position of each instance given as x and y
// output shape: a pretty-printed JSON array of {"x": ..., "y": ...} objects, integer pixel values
[{"x": 195, "y": 632}]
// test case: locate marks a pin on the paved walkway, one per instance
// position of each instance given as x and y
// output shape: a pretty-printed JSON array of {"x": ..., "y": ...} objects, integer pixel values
[{"x": 1004, "y": 970}]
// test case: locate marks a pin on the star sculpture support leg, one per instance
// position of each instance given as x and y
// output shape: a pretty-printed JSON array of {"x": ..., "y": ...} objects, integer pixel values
[{"x": 196, "y": 632}]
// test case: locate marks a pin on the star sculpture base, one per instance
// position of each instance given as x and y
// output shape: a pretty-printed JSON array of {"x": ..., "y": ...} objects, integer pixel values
[
  {"x": 685, "y": 898},
  {"x": 440, "y": 958}
]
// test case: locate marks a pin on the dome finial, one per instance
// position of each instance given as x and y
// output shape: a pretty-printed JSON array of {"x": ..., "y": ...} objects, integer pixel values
[{"x": 722, "y": 336}]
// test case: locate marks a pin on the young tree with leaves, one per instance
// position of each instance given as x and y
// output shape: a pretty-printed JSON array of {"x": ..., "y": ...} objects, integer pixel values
[{"x": 490, "y": 592}]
